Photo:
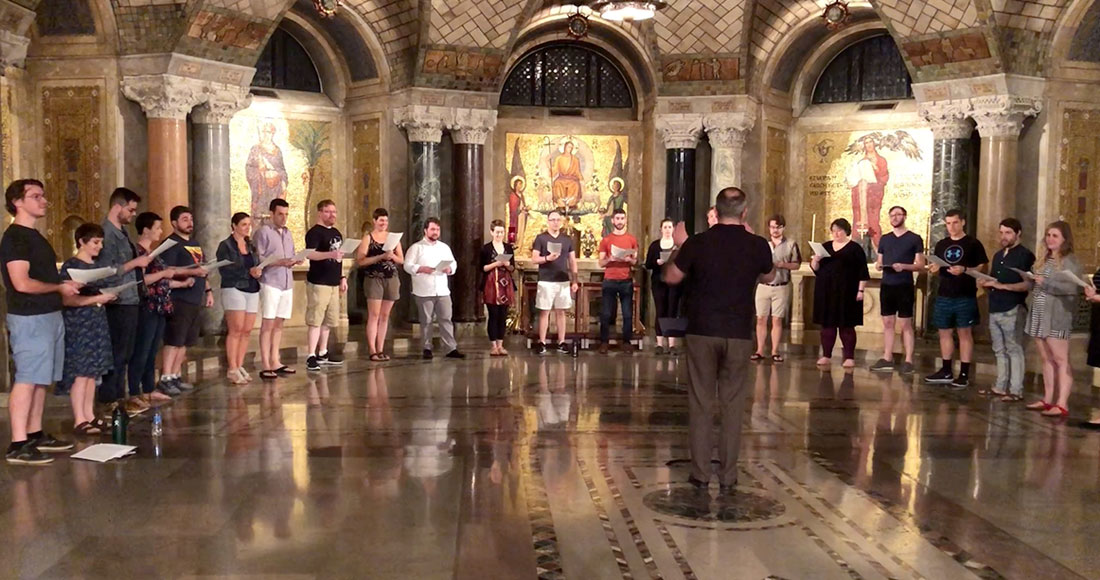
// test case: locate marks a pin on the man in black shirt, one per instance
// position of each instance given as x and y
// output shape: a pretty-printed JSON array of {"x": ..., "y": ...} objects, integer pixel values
[
  {"x": 723, "y": 266},
  {"x": 34, "y": 322},
  {"x": 325, "y": 282},
  {"x": 182, "y": 329},
  {"x": 900, "y": 253},
  {"x": 1008, "y": 310},
  {"x": 956, "y": 306}
]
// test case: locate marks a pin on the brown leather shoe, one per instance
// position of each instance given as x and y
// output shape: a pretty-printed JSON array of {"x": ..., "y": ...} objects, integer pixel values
[
  {"x": 604, "y": 347},
  {"x": 627, "y": 347}
]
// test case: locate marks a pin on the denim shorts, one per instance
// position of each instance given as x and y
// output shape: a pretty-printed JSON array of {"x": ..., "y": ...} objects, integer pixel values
[{"x": 37, "y": 347}]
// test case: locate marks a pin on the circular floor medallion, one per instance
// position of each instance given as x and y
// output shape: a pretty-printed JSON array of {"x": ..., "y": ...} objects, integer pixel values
[{"x": 747, "y": 505}]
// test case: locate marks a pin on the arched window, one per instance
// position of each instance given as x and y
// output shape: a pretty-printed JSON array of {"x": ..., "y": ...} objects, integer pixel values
[
  {"x": 285, "y": 64},
  {"x": 566, "y": 76},
  {"x": 870, "y": 70}
]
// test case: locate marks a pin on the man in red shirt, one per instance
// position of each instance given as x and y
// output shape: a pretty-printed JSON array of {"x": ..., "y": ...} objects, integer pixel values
[{"x": 618, "y": 254}]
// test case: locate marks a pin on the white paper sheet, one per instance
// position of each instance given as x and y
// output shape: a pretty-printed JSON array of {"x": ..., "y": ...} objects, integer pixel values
[
  {"x": 104, "y": 452},
  {"x": 163, "y": 247},
  {"x": 819, "y": 250},
  {"x": 553, "y": 248},
  {"x": 392, "y": 239},
  {"x": 91, "y": 275},
  {"x": 1024, "y": 275},
  {"x": 938, "y": 261},
  {"x": 118, "y": 289},
  {"x": 444, "y": 265},
  {"x": 979, "y": 276},
  {"x": 665, "y": 255},
  {"x": 349, "y": 246},
  {"x": 621, "y": 253},
  {"x": 212, "y": 265},
  {"x": 505, "y": 258},
  {"x": 1073, "y": 278},
  {"x": 273, "y": 258}
]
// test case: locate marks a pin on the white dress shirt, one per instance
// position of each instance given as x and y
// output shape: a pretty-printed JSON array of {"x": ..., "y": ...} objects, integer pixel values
[{"x": 430, "y": 254}]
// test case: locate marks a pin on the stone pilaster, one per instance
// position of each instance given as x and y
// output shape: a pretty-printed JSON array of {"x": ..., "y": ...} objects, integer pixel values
[
  {"x": 680, "y": 133},
  {"x": 727, "y": 133},
  {"x": 469, "y": 129}
]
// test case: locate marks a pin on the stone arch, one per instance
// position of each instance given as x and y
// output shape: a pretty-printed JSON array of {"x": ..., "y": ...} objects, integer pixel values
[
  {"x": 1068, "y": 53},
  {"x": 345, "y": 51},
  {"x": 105, "y": 41}
]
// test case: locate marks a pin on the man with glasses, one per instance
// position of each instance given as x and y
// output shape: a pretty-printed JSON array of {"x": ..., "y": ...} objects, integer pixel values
[
  {"x": 774, "y": 298},
  {"x": 557, "y": 261},
  {"x": 900, "y": 253}
]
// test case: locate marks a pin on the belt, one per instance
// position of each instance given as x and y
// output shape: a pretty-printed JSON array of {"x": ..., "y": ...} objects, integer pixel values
[{"x": 780, "y": 284}]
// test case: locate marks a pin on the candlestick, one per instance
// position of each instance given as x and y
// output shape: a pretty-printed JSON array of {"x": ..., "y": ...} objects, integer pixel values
[{"x": 813, "y": 228}]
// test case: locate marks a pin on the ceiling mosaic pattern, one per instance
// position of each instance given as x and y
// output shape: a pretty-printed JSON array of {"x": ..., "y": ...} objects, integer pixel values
[
  {"x": 699, "y": 26},
  {"x": 919, "y": 17},
  {"x": 481, "y": 23}
]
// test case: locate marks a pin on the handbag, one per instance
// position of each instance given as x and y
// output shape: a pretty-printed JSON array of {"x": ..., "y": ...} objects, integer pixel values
[{"x": 499, "y": 290}]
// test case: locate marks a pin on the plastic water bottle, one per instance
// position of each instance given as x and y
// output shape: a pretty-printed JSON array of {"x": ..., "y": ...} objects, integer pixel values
[{"x": 158, "y": 423}]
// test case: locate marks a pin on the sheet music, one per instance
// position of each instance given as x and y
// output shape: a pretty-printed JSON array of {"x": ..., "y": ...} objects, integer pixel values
[
  {"x": 819, "y": 250},
  {"x": 665, "y": 255},
  {"x": 505, "y": 258},
  {"x": 1073, "y": 278},
  {"x": 211, "y": 266},
  {"x": 979, "y": 276},
  {"x": 349, "y": 246},
  {"x": 163, "y": 247},
  {"x": 1023, "y": 274},
  {"x": 621, "y": 253},
  {"x": 553, "y": 248},
  {"x": 91, "y": 275},
  {"x": 116, "y": 290},
  {"x": 938, "y": 261},
  {"x": 444, "y": 265},
  {"x": 392, "y": 239},
  {"x": 104, "y": 452}
]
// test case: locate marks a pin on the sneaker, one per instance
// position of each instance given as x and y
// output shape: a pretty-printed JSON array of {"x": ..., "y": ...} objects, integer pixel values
[
  {"x": 882, "y": 366},
  {"x": 455, "y": 354},
  {"x": 906, "y": 368},
  {"x": 427, "y": 354},
  {"x": 167, "y": 387},
  {"x": 312, "y": 363},
  {"x": 961, "y": 382},
  {"x": 27, "y": 454},
  {"x": 182, "y": 386},
  {"x": 330, "y": 360},
  {"x": 563, "y": 348},
  {"x": 942, "y": 376},
  {"x": 540, "y": 348},
  {"x": 660, "y": 350},
  {"x": 50, "y": 444}
]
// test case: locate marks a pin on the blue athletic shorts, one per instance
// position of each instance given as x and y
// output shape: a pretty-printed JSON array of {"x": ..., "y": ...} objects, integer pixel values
[{"x": 948, "y": 313}]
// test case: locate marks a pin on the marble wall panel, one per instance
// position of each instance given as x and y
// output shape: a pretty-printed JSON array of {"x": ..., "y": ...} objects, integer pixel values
[
  {"x": 71, "y": 130},
  {"x": 1078, "y": 179}
]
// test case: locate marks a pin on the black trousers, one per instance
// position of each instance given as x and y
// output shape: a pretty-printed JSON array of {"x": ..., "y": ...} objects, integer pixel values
[
  {"x": 666, "y": 299},
  {"x": 498, "y": 321},
  {"x": 122, "y": 320}
]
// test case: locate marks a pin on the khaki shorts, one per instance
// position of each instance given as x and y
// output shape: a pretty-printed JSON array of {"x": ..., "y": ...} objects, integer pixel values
[
  {"x": 322, "y": 305},
  {"x": 773, "y": 300},
  {"x": 382, "y": 288}
]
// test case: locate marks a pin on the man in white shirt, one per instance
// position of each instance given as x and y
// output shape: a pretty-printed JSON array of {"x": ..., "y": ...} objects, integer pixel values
[{"x": 423, "y": 262}]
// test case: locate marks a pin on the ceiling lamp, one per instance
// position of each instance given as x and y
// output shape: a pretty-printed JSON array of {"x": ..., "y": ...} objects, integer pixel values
[{"x": 629, "y": 10}]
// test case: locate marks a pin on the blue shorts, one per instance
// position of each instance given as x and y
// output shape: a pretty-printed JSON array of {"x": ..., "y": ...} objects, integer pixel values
[
  {"x": 37, "y": 347},
  {"x": 948, "y": 313}
]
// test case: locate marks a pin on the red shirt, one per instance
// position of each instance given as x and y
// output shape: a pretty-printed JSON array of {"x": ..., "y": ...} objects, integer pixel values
[{"x": 617, "y": 270}]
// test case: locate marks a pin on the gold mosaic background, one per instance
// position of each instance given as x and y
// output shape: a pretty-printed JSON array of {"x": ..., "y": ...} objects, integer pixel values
[
  {"x": 828, "y": 195},
  {"x": 6, "y": 152},
  {"x": 1078, "y": 178},
  {"x": 70, "y": 145},
  {"x": 366, "y": 175}
]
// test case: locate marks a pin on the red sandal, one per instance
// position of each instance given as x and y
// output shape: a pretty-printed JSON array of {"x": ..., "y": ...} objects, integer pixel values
[
  {"x": 1056, "y": 411},
  {"x": 1038, "y": 406}
]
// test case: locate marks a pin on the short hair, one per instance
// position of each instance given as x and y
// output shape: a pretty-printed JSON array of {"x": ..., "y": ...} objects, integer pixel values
[
  {"x": 554, "y": 211},
  {"x": 619, "y": 211},
  {"x": 430, "y": 221},
  {"x": 145, "y": 221},
  {"x": 842, "y": 224},
  {"x": 237, "y": 217},
  {"x": 498, "y": 223},
  {"x": 954, "y": 213},
  {"x": 712, "y": 209},
  {"x": 778, "y": 219},
  {"x": 178, "y": 212},
  {"x": 16, "y": 190},
  {"x": 380, "y": 212},
  {"x": 123, "y": 196},
  {"x": 1013, "y": 224},
  {"x": 731, "y": 202},
  {"x": 277, "y": 202},
  {"x": 324, "y": 203},
  {"x": 903, "y": 210},
  {"x": 87, "y": 231}
]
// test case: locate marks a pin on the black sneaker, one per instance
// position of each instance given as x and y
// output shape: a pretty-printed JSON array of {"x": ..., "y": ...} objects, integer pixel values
[
  {"x": 49, "y": 443},
  {"x": 165, "y": 386},
  {"x": 727, "y": 489},
  {"x": 455, "y": 354},
  {"x": 330, "y": 360},
  {"x": 564, "y": 348},
  {"x": 883, "y": 366},
  {"x": 27, "y": 454},
  {"x": 540, "y": 348},
  {"x": 961, "y": 382},
  {"x": 427, "y": 354},
  {"x": 696, "y": 483},
  {"x": 182, "y": 386},
  {"x": 906, "y": 368},
  {"x": 312, "y": 364},
  {"x": 941, "y": 377}
]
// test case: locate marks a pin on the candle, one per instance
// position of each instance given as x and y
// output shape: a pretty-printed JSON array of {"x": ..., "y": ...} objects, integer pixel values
[{"x": 813, "y": 228}]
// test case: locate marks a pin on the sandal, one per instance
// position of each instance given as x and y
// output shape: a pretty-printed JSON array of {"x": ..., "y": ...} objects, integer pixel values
[
  {"x": 269, "y": 375},
  {"x": 102, "y": 424},
  {"x": 285, "y": 370},
  {"x": 756, "y": 357},
  {"x": 777, "y": 358},
  {"x": 385, "y": 357},
  {"x": 1010, "y": 398},
  {"x": 1056, "y": 411},
  {"x": 1038, "y": 406},
  {"x": 378, "y": 357},
  {"x": 86, "y": 428}
]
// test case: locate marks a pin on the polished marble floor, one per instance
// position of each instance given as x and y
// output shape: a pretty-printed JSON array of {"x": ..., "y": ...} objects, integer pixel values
[{"x": 561, "y": 467}]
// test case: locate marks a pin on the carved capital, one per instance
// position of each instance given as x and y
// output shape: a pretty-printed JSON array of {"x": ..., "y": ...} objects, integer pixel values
[
  {"x": 680, "y": 131},
  {"x": 222, "y": 103},
  {"x": 728, "y": 129},
  {"x": 13, "y": 50},
  {"x": 472, "y": 126},
  {"x": 1003, "y": 115},
  {"x": 421, "y": 123},
  {"x": 164, "y": 96},
  {"x": 948, "y": 119}
]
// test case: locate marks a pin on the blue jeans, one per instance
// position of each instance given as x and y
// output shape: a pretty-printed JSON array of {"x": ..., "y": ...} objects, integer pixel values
[
  {"x": 623, "y": 290},
  {"x": 1006, "y": 329},
  {"x": 143, "y": 363}
]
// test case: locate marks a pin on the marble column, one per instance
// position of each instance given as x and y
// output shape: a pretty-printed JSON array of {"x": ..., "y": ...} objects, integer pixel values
[
  {"x": 726, "y": 132},
  {"x": 166, "y": 100},
  {"x": 680, "y": 134},
  {"x": 210, "y": 197},
  {"x": 951, "y": 162},
  {"x": 1000, "y": 120},
  {"x": 469, "y": 131},
  {"x": 13, "y": 52},
  {"x": 424, "y": 129}
]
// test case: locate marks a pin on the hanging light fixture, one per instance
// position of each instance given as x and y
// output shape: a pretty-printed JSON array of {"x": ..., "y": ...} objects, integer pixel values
[
  {"x": 628, "y": 9},
  {"x": 326, "y": 8}
]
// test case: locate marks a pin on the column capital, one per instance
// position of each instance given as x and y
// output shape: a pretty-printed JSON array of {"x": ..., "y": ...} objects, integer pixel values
[
  {"x": 421, "y": 123},
  {"x": 680, "y": 130},
  {"x": 948, "y": 119},
  {"x": 1003, "y": 115},
  {"x": 728, "y": 129},
  {"x": 165, "y": 96},
  {"x": 13, "y": 50},
  {"x": 222, "y": 103},
  {"x": 471, "y": 126}
]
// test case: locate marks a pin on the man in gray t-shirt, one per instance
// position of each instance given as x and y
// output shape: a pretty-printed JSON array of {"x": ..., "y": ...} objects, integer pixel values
[{"x": 557, "y": 260}]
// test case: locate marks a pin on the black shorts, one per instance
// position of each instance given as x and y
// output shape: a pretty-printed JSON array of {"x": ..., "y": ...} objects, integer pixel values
[
  {"x": 897, "y": 300},
  {"x": 183, "y": 325}
]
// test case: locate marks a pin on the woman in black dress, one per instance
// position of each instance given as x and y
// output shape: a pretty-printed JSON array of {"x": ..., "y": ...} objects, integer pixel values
[
  {"x": 1094, "y": 340},
  {"x": 838, "y": 292},
  {"x": 498, "y": 290},
  {"x": 666, "y": 298}
]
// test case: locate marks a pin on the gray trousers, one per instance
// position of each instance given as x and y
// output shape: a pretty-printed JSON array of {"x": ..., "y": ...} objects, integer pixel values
[
  {"x": 718, "y": 374},
  {"x": 1006, "y": 329},
  {"x": 440, "y": 307}
]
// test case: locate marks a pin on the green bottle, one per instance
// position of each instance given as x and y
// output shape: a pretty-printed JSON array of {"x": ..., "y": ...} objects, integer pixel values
[{"x": 120, "y": 423}]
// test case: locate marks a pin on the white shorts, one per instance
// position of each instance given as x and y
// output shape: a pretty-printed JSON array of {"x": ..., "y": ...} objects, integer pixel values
[
  {"x": 234, "y": 299},
  {"x": 553, "y": 296},
  {"x": 773, "y": 301},
  {"x": 276, "y": 303}
]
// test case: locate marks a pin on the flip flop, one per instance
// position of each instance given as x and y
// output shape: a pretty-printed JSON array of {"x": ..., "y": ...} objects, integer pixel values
[
  {"x": 269, "y": 375},
  {"x": 285, "y": 370},
  {"x": 777, "y": 358},
  {"x": 756, "y": 357},
  {"x": 378, "y": 357}
]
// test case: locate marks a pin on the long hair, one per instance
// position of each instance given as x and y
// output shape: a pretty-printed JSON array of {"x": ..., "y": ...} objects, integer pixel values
[{"x": 1067, "y": 245}]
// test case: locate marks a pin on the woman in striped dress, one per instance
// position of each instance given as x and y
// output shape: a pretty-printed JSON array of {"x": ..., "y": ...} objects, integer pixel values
[{"x": 1052, "y": 310}]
